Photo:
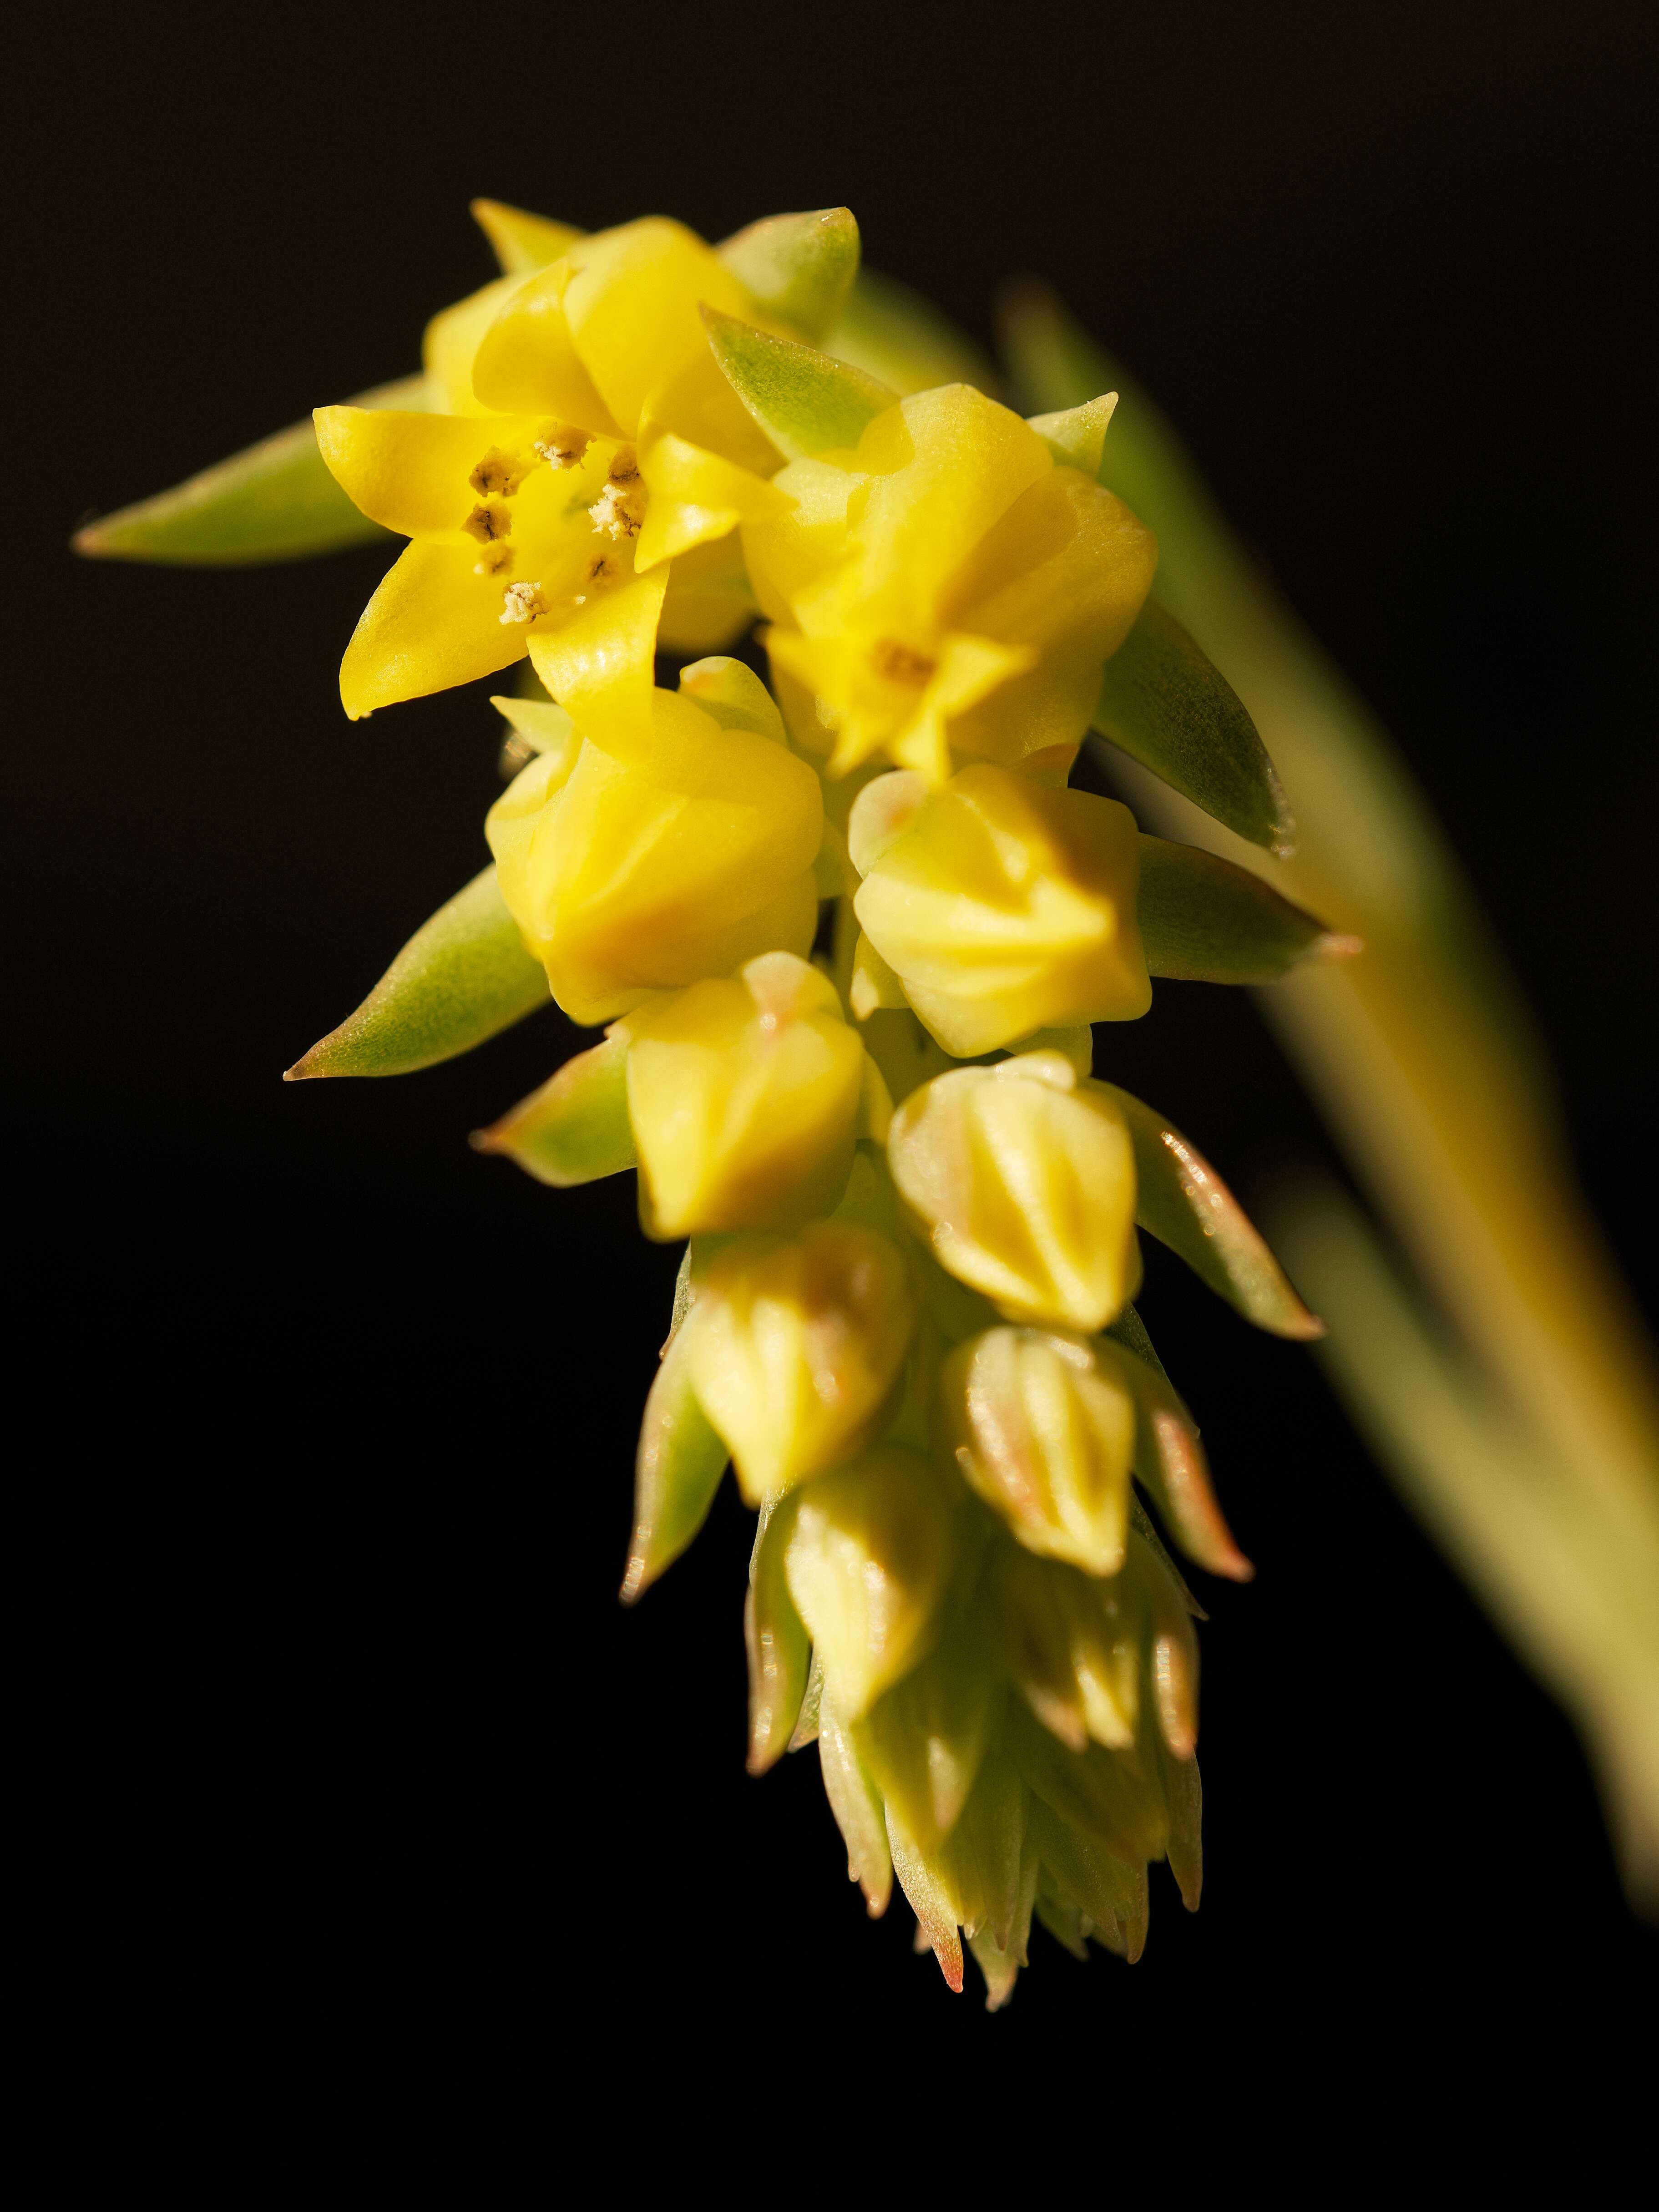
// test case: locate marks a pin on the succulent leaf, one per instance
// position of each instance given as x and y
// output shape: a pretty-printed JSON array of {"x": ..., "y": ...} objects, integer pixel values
[
  {"x": 797, "y": 269},
  {"x": 575, "y": 1129},
  {"x": 463, "y": 976},
  {"x": 1164, "y": 702},
  {"x": 1183, "y": 1201},
  {"x": 1204, "y": 920},
  {"x": 276, "y": 500},
  {"x": 677, "y": 1471},
  {"x": 805, "y": 401}
]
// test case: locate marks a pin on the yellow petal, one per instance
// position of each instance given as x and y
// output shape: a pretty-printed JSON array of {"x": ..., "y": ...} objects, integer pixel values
[
  {"x": 600, "y": 666},
  {"x": 413, "y": 473},
  {"x": 526, "y": 360},
  {"x": 708, "y": 605},
  {"x": 631, "y": 306},
  {"x": 452, "y": 338},
  {"x": 696, "y": 497},
  {"x": 433, "y": 622},
  {"x": 522, "y": 242}
]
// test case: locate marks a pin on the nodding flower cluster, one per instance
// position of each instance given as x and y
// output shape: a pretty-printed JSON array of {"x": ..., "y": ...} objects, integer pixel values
[{"x": 910, "y": 1208}]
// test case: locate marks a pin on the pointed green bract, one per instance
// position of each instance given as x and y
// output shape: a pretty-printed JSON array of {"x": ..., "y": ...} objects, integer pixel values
[
  {"x": 780, "y": 1653},
  {"x": 798, "y": 268},
  {"x": 1183, "y": 1201},
  {"x": 273, "y": 501},
  {"x": 1086, "y": 1875},
  {"x": 463, "y": 976},
  {"x": 677, "y": 1471},
  {"x": 806, "y": 402},
  {"x": 857, "y": 1810},
  {"x": 1204, "y": 920},
  {"x": 1130, "y": 1331},
  {"x": 894, "y": 334},
  {"x": 1164, "y": 702},
  {"x": 575, "y": 1129},
  {"x": 1076, "y": 436},
  {"x": 1171, "y": 1461}
]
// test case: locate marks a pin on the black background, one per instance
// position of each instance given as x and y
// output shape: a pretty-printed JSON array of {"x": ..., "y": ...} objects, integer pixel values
[{"x": 351, "y": 1783}]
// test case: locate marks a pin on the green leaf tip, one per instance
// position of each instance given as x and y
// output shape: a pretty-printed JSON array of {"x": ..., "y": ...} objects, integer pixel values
[
  {"x": 1204, "y": 920},
  {"x": 1076, "y": 436},
  {"x": 805, "y": 401},
  {"x": 273, "y": 501},
  {"x": 1164, "y": 702},
  {"x": 677, "y": 1472},
  {"x": 798, "y": 268},
  {"x": 1184, "y": 1202},
  {"x": 463, "y": 976},
  {"x": 575, "y": 1129}
]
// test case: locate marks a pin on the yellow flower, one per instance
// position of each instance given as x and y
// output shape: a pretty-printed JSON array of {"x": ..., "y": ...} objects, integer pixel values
[
  {"x": 647, "y": 874},
  {"x": 745, "y": 1097},
  {"x": 949, "y": 584},
  {"x": 588, "y": 438},
  {"x": 1022, "y": 1179},
  {"x": 794, "y": 1347},
  {"x": 1001, "y": 907}
]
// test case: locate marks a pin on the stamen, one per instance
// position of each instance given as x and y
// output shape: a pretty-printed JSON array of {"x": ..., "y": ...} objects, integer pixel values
[
  {"x": 562, "y": 444},
  {"x": 900, "y": 663},
  {"x": 493, "y": 519},
  {"x": 522, "y": 603},
  {"x": 499, "y": 474},
  {"x": 496, "y": 561}
]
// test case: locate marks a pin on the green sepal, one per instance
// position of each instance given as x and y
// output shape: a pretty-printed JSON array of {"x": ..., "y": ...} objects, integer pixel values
[
  {"x": 1130, "y": 1331},
  {"x": 1204, "y": 920},
  {"x": 1164, "y": 702},
  {"x": 1185, "y": 1793},
  {"x": 805, "y": 401},
  {"x": 1183, "y": 1201},
  {"x": 1095, "y": 1790},
  {"x": 463, "y": 976},
  {"x": 776, "y": 1638},
  {"x": 575, "y": 1129},
  {"x": 893, "y": 333},
  {"x": 1170, "y": 1460},
  {"x": 1088, "y": 1879},
  {"x": 929, "y": 1898},
  {"x": 858, "y": 1810},
  {"x": 677, "y": 1471},
  {"x": 797, "y": 269},
  {"x": 733, "y": 695},
  {"x": 273, "y": 501},
  {"x": 1076, "y": 436}
]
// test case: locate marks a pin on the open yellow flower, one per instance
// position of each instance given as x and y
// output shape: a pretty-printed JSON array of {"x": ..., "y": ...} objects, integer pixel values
[
  {"x": 588, "y": 438},
  {"x": 950, "y": 583}
]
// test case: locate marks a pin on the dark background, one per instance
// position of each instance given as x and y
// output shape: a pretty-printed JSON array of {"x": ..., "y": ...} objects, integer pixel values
[{"x": 349, "y": 1780}]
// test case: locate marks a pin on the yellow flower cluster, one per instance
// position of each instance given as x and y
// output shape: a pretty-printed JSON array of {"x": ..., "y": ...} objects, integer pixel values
[{"x": 905, "y": 1317}]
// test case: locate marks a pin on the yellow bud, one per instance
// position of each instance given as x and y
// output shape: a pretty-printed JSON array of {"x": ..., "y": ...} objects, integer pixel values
[
  {"x": 683, "y": 861},
  {"x": 795, "y": 1347},
  {"x": 1002, "y": 907},
  {"x": 868, "y": 1560},
  {"x": 1045, "y": 1435},
  {"x": 744, "y": 1094},
  {"x": 1023, "y": 1180}
]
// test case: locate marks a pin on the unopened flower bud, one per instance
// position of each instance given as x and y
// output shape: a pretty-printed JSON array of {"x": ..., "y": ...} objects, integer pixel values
[
  {"x": 744, "y": 1094},
  {"x": 1001, "y": 907},
  {"x": 868, "y": 1560},
  {"x": 1024, "y": 1181},
  {"x": 685, "y": 859},
  {"x": 1073, "y": 1648},
  {"x": 795, "y": 1347},
  {"x": 1045, "y": 1435}
]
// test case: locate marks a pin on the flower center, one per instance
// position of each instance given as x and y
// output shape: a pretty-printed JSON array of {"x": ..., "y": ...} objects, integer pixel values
[{"x": 900, "y": 663}]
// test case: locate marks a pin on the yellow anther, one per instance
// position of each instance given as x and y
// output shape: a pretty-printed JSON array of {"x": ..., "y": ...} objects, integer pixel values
[
  {"x": 489, "y": 521},
  {"x": 498, "y": 475},
  {"x": 496, "y": 560},
  {"x": 562, "y": 445},
  {"x": 522, "y": 603}
]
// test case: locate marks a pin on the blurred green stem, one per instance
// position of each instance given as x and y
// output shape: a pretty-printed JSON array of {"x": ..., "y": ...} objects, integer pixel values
[{"x": 1544, "y": 1481}]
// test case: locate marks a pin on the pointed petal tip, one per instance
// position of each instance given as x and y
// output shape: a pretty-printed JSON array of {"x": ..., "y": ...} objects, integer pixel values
[{"x": 91, "y": 542}]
